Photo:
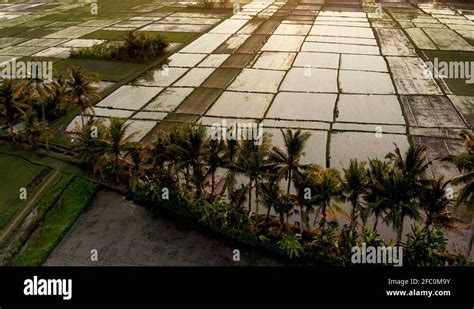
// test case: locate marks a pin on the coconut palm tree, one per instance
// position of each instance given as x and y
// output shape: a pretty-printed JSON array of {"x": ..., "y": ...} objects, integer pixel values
[
  {"x": 12, "y": 102},
  {"x": 191, "y": 148},
  {"x": 33, "y": 130},
  {"x": 115, "y": 142},
  {"x": 54, "y": 100},
  {"x": 40, "y": 91},
  {"x": 273, "y": 197},
  {"x": 232, "y": 148},
  {"x": 396, "y": 198},
  {"x": 306, "y": 184},
  {"x": 253, "y": 162},
  {"x": 87, "y": 143},
  {"x": 406, "y": 178},
  {"x": 412, "y": 164},
  {"x": 328, "y": 190},
  {"x": 214, "y": 158},
  {"x": 80, "y": 91},
  {"x": 137, "y": 154},
  {"x": 376, "y": 172},
  {"x": 287, "y": 161},
  {"x": 435, "y": 203},
  {"x": 355, "y": 183}
]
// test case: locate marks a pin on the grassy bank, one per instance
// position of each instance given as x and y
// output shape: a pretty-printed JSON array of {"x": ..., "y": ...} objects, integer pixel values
[{"x": 68, "y": 205}]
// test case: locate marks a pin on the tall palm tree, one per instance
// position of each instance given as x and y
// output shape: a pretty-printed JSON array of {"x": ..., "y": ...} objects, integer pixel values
[
  {"x": 412, "y": 164},
  {"x": 87, "y": 147},
  {"x": 40, "y": 91},
  {"x": 33, "y": 130},
  {"x": 191, "y": 149},
  {"x": 12, "y": 103},
  {"x": 231, "y": 152},
  {"x": 435, "y": 203},
  {"x": 81, "y": 91},
  {"x": 54, "y": 100},
  {"x": 355, "y": 183},
  {"x": 137, "y": 152},
  {"x": 214, "y": 158},
  {"x": 287, "y": 161},
  {"x": 396, "y": 198},
  {"x": 273, "y": 197},
  {"x": 116, "y": 142},
  {"x": 158, "y": 154},
  {"x": 328, "y": 190},
  {"x": 407, "y": 177},
  {"x": 253, "y": 163},
  {"x": 376, "y": 172},
  {"x": 306, "y": 185}
]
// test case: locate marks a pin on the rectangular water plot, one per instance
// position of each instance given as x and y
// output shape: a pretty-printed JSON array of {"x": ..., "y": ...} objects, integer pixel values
[
  {"x": 303, "y": 106},
  {"x": 169, "y": 99},
  {"x": 254, "y": 80},
  {"x": 310, "y": 80},
  {"x": 317, "y": 60},
  {"x": 130, "y": 97},
  {"x": 363, "y": 63},
  {"x": 241, "y": 104},
  {"x": 369, "y": 109},
  {"x": 275, "y": 60},
  {"x": 161, "y": 77}
]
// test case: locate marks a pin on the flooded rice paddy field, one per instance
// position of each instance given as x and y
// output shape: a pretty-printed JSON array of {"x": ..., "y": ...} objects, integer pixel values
[{"x": 341, "y": 69}]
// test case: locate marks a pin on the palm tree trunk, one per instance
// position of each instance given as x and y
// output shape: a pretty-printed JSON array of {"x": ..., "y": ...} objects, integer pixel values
[
  {"x": 213, "y": 181},
  {"x": 282, "y": 221},
  {"x": 323, "y": 215},
  {"x": 256, "y": 198},
  {"x": 301, "y": 219},
  {"x": 288, "y": 188},
  {"x": 187, "y": 176},
  {"x": 268, "y": 212},
  {"x": 470, "y": 242},
  {"x": 116, "y": 168},
  {"x": 250, "y": 195},
  {"x": 400, "y": 232},
  {"x": 376, "y": 222},
  {"x": 352, "y": 223}
]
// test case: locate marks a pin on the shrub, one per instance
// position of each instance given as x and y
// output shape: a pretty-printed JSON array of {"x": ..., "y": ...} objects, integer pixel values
[
  {"x": 424, "y": 249},
  {"x": 291, "y": 245},
  {"x": 137, "y": 47}
]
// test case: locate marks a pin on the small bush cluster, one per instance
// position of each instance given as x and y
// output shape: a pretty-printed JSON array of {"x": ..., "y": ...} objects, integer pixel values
[{"x": 137, "y": 47}]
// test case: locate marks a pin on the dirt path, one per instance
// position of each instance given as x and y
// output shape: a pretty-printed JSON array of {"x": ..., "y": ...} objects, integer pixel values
[
  {"x": 126, "y": 235},
  {"x": 28, "y": 207}
]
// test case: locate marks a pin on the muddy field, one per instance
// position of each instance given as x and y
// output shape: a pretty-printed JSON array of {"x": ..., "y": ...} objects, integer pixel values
[{"x": 126, "y": 235}]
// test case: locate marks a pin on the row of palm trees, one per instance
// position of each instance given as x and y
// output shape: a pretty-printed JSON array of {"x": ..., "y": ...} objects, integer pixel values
[
  {"x": 28, "y": 106},
  {"x": 391, "y": 189}
]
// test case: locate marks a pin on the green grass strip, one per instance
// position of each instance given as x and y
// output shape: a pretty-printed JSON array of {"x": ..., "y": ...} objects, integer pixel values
[{"x": 74, "y": 199}]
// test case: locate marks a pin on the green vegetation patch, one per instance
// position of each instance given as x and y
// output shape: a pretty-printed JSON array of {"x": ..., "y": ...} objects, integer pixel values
[
  {"x": 5, "y": 42},
  {"x": 137, "y": 47},
  {"x": 74, "y": 199},
  {"x": 12, "y": 31},
  {"x": 35, "y": 33},
  {"x": 105, "y": 35},
  {"x": 107, "y": 70},
  {"x": 175, "y": 37},
  {"x": 16, "y": 173}
]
